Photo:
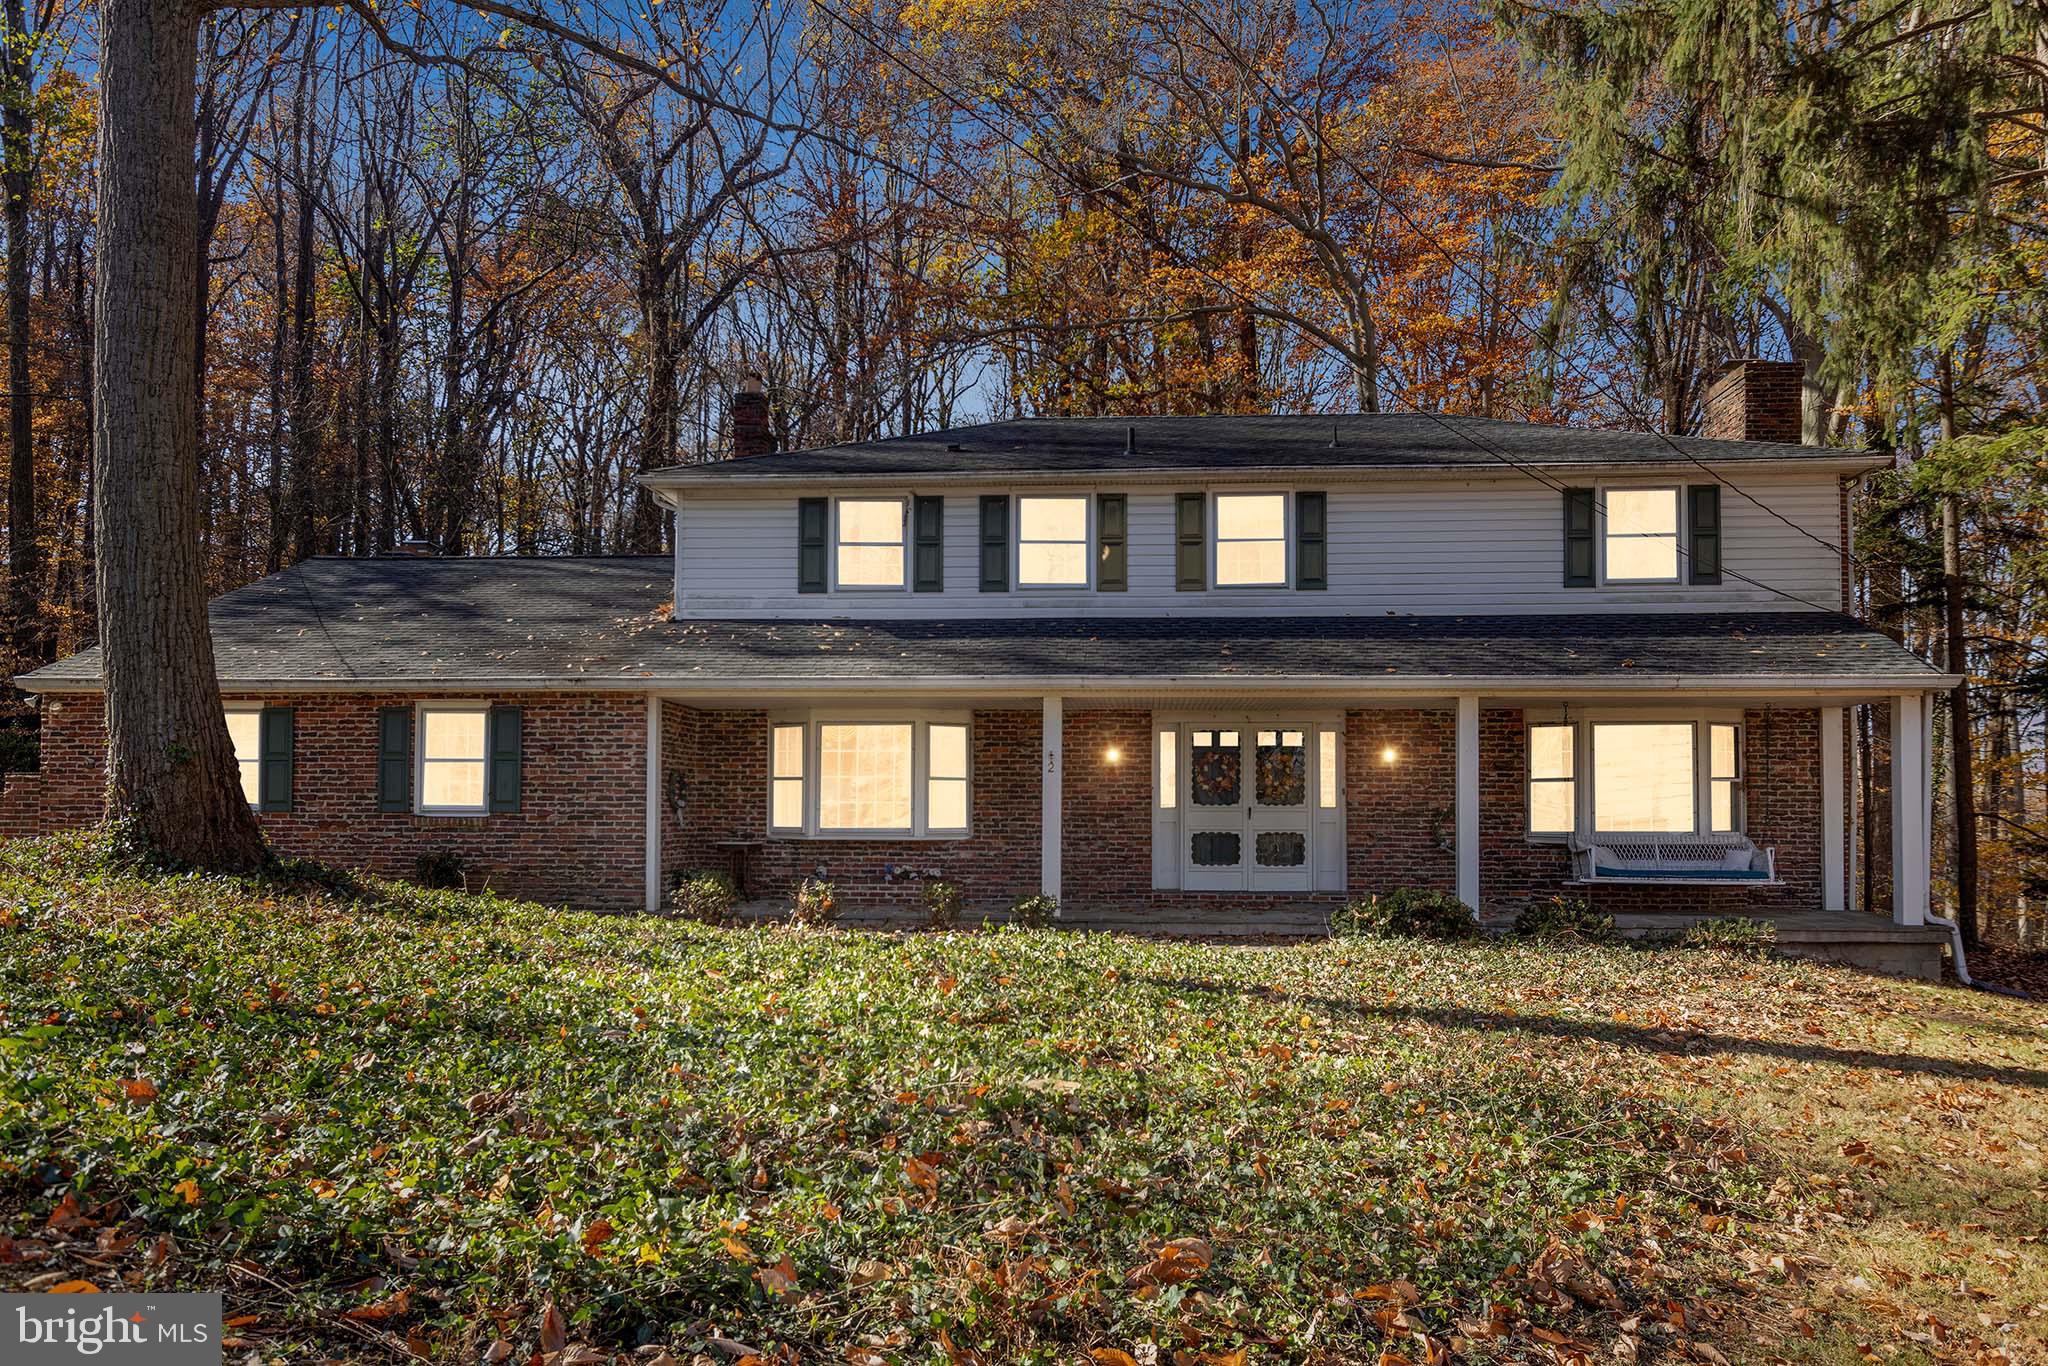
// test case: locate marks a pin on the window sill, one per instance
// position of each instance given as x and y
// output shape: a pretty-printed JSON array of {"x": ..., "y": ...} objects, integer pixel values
[
  {"x": 869, "y": 837},
  {"x": 465, "y": 814}
]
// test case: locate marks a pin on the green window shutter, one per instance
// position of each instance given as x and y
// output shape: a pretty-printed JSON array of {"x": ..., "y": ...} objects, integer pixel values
[
  {"x": 1311, "y": 540},
  {"x": 274, "y": 763},
  {"x": 928, "y": 523},
  {"x": 1703, "y": 518},
  {"x": 1578, "y": 538},
  {"x": 394, "y": 759},
  {"x": 1112, "y": 560},
  {"x": 813, "y": 521},
  {"x": 995, "y": 543},
  {"x": 1190, "y": 542},
  {"x": 505, "y": 739}
]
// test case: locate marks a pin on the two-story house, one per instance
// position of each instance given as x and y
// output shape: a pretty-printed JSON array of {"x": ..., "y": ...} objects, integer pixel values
[{"x": 1217, "y": 664}]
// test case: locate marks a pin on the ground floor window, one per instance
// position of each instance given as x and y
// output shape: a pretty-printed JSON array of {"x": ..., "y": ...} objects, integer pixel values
[
  {"x": 453, "y": 754},
  {"x": 245, "y": 730},
  {"x": 1644, "y": 775},
  {"x": 849, "y": 776}
]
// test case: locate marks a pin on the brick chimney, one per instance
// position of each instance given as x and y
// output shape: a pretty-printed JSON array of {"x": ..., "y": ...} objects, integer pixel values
[
  {"x": 751, "y": 434},
  {"x": 1755, "y": 400}
]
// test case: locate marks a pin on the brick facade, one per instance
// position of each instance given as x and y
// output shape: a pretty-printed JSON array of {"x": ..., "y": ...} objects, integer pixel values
[{"x": 579, "y": 837}]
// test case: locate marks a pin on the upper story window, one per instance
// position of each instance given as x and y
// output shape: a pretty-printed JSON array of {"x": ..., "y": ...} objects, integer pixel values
[
  {"x": 868, "y": 551},
  {"x": 1642, "y": 532},
  {"x": 1251, "y": 540},
  {"x": 1052, "y": 542},
  {"x": 453, "y": 756}
]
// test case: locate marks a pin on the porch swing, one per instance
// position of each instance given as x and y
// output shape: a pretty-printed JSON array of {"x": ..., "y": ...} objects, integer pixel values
[{"x": 1653, "y": 860}]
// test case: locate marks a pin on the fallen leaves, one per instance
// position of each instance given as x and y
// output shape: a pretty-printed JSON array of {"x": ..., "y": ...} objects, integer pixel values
[{"x": 1175, "y": 1263}]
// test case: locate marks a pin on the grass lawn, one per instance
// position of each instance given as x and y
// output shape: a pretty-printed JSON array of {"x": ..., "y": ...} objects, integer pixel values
[{"x": 389, "y": 1121}]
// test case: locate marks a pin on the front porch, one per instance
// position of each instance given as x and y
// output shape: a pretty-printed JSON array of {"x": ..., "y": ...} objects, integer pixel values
[{"x": 1236, "y": 814}]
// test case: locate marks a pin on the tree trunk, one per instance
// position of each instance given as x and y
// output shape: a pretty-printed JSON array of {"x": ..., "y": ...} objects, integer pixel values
[
  {"x": 24, "y": 557},
  {"x": 1962, "y": 756},
  {"x": 171, "y": 769},
  {"x": 658, "y": 427}
]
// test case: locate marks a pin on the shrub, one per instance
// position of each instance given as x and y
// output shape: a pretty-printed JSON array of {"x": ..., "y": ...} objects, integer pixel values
[
  {"x": 1035, "y": 912},
  {"x": 942, "y": 904},
  {"x": 1750, "y": 938},
  {"x": 1566, "y": 918},
  {"x": 706, "y": 895},
  {"x": 1405, "y": 913},
  {"x": 814, "y": 902},
  {"x": 442, "y": 870}
]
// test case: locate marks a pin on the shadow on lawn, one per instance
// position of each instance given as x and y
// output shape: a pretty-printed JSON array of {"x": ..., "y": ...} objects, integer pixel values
[{"x": 1647, "y": 1038}]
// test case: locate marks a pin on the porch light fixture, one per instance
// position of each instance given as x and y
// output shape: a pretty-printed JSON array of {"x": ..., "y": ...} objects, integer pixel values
[
  {"x": 1112, "y": 755},
  {"x": 1388, "y": 754}
]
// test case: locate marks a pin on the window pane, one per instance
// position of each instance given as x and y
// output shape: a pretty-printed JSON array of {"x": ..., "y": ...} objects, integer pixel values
[
  {"x": 452, "y": 784},
  {"x": 1642, "y": 557},
  {"x": 1251, "y": 516},
  {"x": 1251, "y": 562},
  {"x": 1053, "y": 563},
  {"x": 949, "y": 751},
  {"x": 1326, "y": 795},
  {"x": 1721, "y": 813},
  {"x": 252, "y": 780},
  {"x": 1215, "y": 772},
  {"x": 1169, "y": 771},
  {"x": 452, "y": 734},
  {"x": 871, "y": 520},
  {"x": 1723, "y": 752},
  {"x": 946, "y": 804},
  {"x": 1551, "y": 808},
  {"x": 1643, "y": 777},
  {"x": 1052, "y": 519},
  {"x": 788, "y": 812},
  {"x": 788, "y": 752},
  {"x": 1550, "y": 751},
  {"x": 864, "y": 777},
  {"x": 871, "y": 566},
  {"x": 245, "y": 730},
  {"x": 1642, "y": 511}
]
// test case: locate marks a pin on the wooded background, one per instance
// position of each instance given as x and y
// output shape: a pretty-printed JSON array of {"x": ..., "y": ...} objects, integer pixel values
[{"x": 463, "y": 277}]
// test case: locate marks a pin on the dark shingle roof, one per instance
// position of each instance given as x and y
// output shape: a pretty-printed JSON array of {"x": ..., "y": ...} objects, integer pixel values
[
  {"x": 1097, "y": 445},
  {"x": 603, "y": 622}
]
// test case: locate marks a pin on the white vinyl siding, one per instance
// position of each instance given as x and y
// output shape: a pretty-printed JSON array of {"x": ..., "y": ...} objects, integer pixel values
[{"x": 1433, "y": 547}]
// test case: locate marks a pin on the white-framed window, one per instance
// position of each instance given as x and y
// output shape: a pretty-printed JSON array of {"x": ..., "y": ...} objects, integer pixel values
[
  {"x": 850, "y": 776},
  {"x": 1167, "y": 767},
  {"x": 1553, "y": 786},
  {"x": 1640, "y": 539},
  {"x": 1628, "y": 773},
  {"x": 1724, "y": 777},
  {"x": 1327, "y": 784},
  {"x": 1250, "y": 540},
  {"x": 245, "y": 730},
  {"x": 1052, "y": 541},
  {"x": 868, "y": 542},
  {"x": 453, "y": 764},
  {"x": 786, "y": 777}
]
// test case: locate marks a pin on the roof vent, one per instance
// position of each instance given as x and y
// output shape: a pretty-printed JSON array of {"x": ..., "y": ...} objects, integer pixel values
[
  {"x": 1130, "y": 441},
  {"x": 418, "y": 546},
  {"x": 955, "y": 446}
]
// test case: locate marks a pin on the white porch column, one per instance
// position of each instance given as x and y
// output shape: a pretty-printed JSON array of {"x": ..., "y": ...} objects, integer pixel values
[
  {"x": 1467, "y": 801},
  {"x": 653, "y": 869},
  {"x": 1912, "y": 853},
  {"x": 1833, "y": 888},
  {"x": 1052, "y": 740}
]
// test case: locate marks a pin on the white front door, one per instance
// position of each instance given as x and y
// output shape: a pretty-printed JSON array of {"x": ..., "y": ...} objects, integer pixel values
[{"x": 1245, "y": 807}]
